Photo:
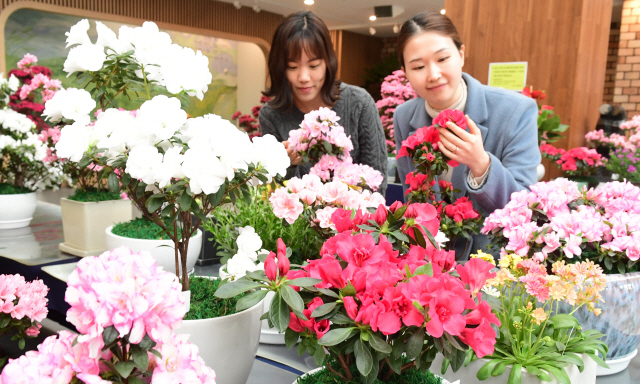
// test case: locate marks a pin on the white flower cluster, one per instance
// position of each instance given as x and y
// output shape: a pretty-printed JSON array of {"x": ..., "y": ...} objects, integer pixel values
[
  {"x": 211, "y": 151},
  {"x": 246, "y": 260},
  {"x": 15, "y": 122},
  {"x": 8, "y": 87},
  {"x": 175, "y": 67}
]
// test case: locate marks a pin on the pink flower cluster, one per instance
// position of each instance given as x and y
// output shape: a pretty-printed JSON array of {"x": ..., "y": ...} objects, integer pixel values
[
  {"x": 360, "y": 175},
  {"x": 386, "y": 299},
  {"x": 634, "y": 123},
  {"x": 595, "y": 138},
  {"x": 126, "y": 290},
  {"x": 49, "y": 87},
  {"x": 548, "y": 221},
  {"x": 395, "y": 90},
  {"x": 27, "y": 61},
  {"x": 130, "y": 292},
  {"x": 50, "y": 136},
  {"x": 320, "y": 199},
  {"x": 23, "y": 300},
  {"x": 318, "y": 127}
]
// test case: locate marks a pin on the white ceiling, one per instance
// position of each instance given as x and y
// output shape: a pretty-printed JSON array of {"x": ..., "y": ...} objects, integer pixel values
[{"x": 352, "y": 15}]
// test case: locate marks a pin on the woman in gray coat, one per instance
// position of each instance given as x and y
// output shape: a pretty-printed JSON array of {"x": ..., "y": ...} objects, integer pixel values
[
  {"x": 302, "y": 69},
  {"x": 499, "y": 153}
]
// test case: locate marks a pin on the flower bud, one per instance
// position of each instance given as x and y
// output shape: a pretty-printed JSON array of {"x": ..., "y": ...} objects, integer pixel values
[{"x": 270, "y": 268}]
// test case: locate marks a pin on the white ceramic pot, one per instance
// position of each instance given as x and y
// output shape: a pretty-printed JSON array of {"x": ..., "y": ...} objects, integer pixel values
[
  {"x": 444, "y": 381},
  {"x": 467, "y": 375},
  {"x": 17, "y": 210},
  {"x": 227, "y": 344},
  {"x": 162, "y": 250},
  {"x": 616, "y": 365},
  {"x": 540, "y": 170},
  {"x": 83, "y": 224}
]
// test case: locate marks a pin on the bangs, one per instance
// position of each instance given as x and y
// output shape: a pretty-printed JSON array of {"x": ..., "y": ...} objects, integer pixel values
[{"x": 305, "y": 41}]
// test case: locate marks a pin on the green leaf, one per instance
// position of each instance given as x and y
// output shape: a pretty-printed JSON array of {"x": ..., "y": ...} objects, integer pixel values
[
  {"x": 419, "y": 237},
  {"x": 559, "y": 374},
  {"x": 318, "y": 356},
  {"x": 485, "y": 371},
  {"x": 415, "y": 344},
  {"x": 378, "y": 344},
  {"x": 109, "y": 335},
  {"x": 364, "y": 361},
  {"x": 499, "y": 369},
  {"x": 426, "y": 269},
  {"x": 516, "y": 374},
  {"x": 140, "y": 358},
  {"x": 156, "y": 353},
  {"x": 336, "y": 336},
  {"x": 291, "y": 337},
  {"x": 185, "y": 202},
  {"x": 564, "y": 320},
  {"x": 250, "y": 300},
  {"x": 279, "y": 313},
  {"x": 598, "y": 360},
  {"x": 21, "y": 343},
  {"x": 216, "y": 198},
  {"x": 303, "y": 282},
  {"x": 542, "y": 375},
  {"x": 153, "y": 203},
  {"x": 134, "y": 380},
  {"x": 235, "y": 288},
  {"x": 124, "y": 368},
  {"x": 114, "y": 183},
  {"x": 328, "y": 292},
  {"x": 146, "y": 343},
  {"x": 292, "y": 298},
  {"x": 323, "y": 309}
]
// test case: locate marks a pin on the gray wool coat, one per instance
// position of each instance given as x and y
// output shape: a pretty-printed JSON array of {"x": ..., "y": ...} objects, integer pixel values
[{"x": 508, "y": 123}]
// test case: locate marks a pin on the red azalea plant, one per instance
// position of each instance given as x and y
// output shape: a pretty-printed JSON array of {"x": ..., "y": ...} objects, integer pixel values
[
  {"x": 249, "y": 123},
  {"x": 377, "y": 302},
  {"x": 577, "y": 162},
  {"x": 457, "y": 216}
]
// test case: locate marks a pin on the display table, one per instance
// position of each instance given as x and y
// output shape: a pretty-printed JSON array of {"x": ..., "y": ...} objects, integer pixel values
[{"x": 33, "y": 252}]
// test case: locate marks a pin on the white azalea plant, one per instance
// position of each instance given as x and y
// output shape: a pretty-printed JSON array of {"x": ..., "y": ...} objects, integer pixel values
[
  {"x": 26, "y": 164},
  {"x": 175, "y": 169},
  {"x": 249, "y": 258}
]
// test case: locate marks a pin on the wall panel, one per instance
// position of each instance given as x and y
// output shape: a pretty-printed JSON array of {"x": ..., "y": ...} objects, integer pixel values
[{"x": 358, "y": 52}]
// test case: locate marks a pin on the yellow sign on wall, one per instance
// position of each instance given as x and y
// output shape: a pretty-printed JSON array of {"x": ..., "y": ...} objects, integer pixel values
[{"x": 511, "y": 76}]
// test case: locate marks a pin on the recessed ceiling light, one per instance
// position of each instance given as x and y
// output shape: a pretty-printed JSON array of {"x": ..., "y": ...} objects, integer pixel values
[
  {"x": 443, "y": 11},
  {"x": 372, "y": 17},
  {"x": 396, "y": 28},
  {"x": 308, "y": 2},
  {"x": 372, "y": 31}
]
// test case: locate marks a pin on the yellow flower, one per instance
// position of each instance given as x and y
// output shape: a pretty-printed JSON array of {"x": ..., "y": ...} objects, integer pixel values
[
  {"x": 539, "y": 315},
  {"x": 557, "y": 292},
  {"x": 597, "y": 311},
  {"x": 505, "y": 261},
  {"x": 484, "y": 256}
]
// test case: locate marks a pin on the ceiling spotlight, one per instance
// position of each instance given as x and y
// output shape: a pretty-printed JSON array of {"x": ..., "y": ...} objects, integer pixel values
[
  {"x": 308, "y": 2},
  {"x": 443, "y": 11},
  {"x": 396, "y": 28},
  {"x": 372, "y": 31},
  {"x": 372, "y": 17},
  {"x": 237, "y": 4},
  {"x": 256, "y": 8}
]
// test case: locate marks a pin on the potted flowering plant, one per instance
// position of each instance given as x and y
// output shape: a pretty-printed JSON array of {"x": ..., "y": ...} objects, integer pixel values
[
  {"x": 578, "y": 164},
  {"x": 538, "y": 342},
  {"x": 28, "y": 163},
  {"x": 249, "y": 123},
  {"x": 621, "y": 150},
  {"x": 550, "y": 129},
  {"x": 380, "y": 303},
  {"x": 457, "y": 215},
  {"x": 137, "y": 347},
  {"x": 321, "y": 140},
  {"x": 558, "y": 222},
  {"x": 158, "y": 156},
  {"x": 23, "y": 305},
  {"x": 395, "y": 90},
  {"x": 625, "y": 163}
]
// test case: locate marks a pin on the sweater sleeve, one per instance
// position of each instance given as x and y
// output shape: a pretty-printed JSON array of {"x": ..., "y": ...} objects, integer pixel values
[
  {"x": 516, "y": 169},
  {"x": 373, "y": 148},
  {"x": 268, "y": 126}
]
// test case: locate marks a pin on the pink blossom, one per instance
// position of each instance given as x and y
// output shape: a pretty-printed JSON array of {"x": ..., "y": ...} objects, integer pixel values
[{"x": 285, "y": 205}]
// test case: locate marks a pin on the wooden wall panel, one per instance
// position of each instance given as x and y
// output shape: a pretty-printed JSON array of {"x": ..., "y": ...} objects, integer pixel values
[
  {"x": 357, "y": 52},
  {"x": 564, "y": 42}
]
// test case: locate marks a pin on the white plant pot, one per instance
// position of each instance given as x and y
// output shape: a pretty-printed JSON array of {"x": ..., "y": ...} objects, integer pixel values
[
  {"x": 17, "y": 210},
  {"x": 83, "y": 224},
  {"x": 540, "y": 170},
  {"x": 162, "y": 250},
  {"x": 467, "y": 375},
  {"x": 227, "y": 344},
  {"x": 616, "y": 365},
  {"x": 444, "y": 381}
]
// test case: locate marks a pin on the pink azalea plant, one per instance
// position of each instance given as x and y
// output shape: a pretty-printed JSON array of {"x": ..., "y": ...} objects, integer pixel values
[
  {"x": 126, "y": 309},
  {"x": 624, "y": 150},
  {"x": 23, "y": 305},
  {"x": 556, "y": 221},
  {"x": 381, "y": 298},
  {"x": 395, "y": 90},
  {"x": 322, "y": 141},
  {"x": 535, "y": 334},
  {"x": 312, "y": 200}
]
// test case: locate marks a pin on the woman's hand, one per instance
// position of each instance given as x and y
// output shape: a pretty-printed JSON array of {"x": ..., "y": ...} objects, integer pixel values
[
  {"x": 293, "y": 156},
  {"x": 465, "y": 147}
]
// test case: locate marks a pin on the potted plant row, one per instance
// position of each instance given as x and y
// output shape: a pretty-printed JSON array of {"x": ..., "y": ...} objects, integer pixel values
[{"x": 176, "y": 170}]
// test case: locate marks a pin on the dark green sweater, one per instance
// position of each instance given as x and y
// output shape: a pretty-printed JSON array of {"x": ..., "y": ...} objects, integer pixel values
[{"x": 360, "y": 119}]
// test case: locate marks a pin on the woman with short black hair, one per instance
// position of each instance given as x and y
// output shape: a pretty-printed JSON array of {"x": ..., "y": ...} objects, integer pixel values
[{"x": 302, "y": 69}]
